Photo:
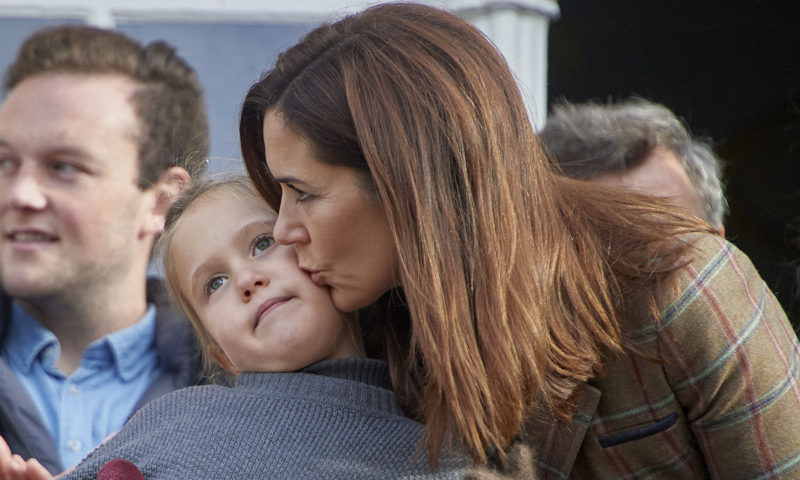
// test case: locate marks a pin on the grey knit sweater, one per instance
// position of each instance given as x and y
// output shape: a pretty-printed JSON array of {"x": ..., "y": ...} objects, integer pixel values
[{"x": 336, "y": 419}]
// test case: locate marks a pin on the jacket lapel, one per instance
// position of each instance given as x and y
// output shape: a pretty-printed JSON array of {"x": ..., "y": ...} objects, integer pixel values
[{"x": 557, "y": 443}]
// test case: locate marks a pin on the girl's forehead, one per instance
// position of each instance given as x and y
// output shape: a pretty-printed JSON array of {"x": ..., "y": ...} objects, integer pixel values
[
  {"x": 216, "y": 225},
  {"x": 234, "y": 199},
  {"x": 229, "y": 210}
]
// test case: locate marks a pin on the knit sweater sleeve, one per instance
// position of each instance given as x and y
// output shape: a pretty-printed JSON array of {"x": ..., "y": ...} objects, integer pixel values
[{"x": 334, "y": 422}]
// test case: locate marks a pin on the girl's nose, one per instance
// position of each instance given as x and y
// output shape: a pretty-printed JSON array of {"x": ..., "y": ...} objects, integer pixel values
[{"x": 249, "y": 282}]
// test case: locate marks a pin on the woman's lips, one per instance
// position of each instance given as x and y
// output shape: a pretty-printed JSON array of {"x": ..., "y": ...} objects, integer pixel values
[{"x": 316, "y": 277}]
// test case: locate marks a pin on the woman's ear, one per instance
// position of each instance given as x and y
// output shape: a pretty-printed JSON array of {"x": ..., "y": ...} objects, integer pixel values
[{"x": 171, "y": 184}]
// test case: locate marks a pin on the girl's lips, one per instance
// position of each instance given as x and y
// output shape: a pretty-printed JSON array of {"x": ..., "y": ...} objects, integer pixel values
[{"x": 269, "y": 305}]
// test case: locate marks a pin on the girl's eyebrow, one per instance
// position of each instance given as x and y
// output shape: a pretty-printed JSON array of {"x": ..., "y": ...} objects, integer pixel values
[
  {"x": 256, "y": 225},
  {"x": 198, "y": 279},
  {"x": 241, "y": 238}
]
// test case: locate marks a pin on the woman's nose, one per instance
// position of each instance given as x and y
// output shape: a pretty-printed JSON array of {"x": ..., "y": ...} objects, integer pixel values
[{"x": 288, "y": 229}]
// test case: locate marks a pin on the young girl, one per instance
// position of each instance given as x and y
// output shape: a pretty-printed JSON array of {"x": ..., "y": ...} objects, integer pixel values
[{"x": 257, "y": 314}]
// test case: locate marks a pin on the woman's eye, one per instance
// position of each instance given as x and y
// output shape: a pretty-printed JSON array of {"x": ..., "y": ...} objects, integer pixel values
[
  {"x": 301, "y": 195},
  {"x": 262, "y": 243},
  {"x": 214, "y": 283}
]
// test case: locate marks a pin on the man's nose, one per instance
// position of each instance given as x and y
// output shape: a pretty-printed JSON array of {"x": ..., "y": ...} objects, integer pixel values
[{"x": 25, "y": 192}]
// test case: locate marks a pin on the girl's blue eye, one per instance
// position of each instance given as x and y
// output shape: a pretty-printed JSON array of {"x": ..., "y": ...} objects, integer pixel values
[
  {"x": 213, "y": 283},
  {"x": 262, "y": 243}
]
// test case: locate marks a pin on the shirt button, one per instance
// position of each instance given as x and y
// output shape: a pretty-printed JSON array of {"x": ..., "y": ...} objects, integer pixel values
[
  {"x": 74, "y": 445},
  {"x": 74, "y": 389}
]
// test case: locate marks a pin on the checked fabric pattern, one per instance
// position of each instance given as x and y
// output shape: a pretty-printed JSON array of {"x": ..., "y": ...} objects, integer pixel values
[{"x": 722, "y": 402}]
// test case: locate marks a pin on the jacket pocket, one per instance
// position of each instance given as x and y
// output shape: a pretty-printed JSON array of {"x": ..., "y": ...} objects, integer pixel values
[{"x": 646, "y": 431}]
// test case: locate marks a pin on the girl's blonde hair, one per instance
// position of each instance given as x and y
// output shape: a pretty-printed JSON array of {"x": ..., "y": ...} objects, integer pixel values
[{"x": 213, "y": 355}]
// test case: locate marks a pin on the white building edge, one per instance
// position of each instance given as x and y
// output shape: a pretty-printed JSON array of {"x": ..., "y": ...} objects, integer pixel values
[{"x": 518, "y": 28}]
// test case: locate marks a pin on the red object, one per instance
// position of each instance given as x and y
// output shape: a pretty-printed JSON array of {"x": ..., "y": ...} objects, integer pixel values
[{"x": 119, "y": 469}]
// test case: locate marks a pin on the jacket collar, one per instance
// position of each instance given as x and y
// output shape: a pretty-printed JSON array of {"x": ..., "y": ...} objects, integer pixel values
[{"x": 557, "y": 443}]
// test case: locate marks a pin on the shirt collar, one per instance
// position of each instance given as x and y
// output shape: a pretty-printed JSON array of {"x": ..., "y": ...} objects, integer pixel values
[
  {"x": 129, "y": 345},
  {"x": 28, "y": 339}
]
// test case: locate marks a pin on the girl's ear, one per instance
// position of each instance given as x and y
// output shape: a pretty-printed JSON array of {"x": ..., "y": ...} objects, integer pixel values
[{"x": 171, "y": 184}]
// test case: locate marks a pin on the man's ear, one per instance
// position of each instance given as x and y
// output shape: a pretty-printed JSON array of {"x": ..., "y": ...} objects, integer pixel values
[{"x": 171, "y": 184}]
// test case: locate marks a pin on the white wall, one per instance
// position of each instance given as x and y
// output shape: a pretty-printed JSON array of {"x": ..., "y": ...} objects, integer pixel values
[{"x": 216, "y": 37}]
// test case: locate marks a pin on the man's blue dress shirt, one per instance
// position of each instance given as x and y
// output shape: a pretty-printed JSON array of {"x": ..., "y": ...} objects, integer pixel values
[{"x": 82, "y": 409}]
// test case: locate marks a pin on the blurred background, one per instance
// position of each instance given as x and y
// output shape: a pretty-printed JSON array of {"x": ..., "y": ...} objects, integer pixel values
[
  {"x": 731, "y": 70},
  {"x": 231, "y": 42}
]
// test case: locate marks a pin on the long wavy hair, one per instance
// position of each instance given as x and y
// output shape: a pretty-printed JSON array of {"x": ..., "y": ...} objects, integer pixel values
[{"x": 514, "y": 278}]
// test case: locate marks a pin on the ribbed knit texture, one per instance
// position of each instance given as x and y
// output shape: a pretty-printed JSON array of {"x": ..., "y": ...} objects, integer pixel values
[{"x": 337, "y": 419}]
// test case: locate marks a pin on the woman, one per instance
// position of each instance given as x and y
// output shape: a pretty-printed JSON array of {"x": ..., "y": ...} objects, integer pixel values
[{"x": 519, "y": 310}]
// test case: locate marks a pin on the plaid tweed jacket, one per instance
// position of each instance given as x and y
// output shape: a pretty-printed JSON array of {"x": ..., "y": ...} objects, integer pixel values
[{"x": 723, "y": 402}]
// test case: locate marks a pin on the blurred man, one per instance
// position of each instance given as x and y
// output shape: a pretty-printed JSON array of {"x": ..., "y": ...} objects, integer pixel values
[
  {"x": 98, "y": 134},
  {"x": 640, "y": 145}
]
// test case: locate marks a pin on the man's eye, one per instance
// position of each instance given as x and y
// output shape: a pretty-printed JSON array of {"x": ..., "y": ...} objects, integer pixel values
[
  {"x": 214, "y": 283},
  {"x": 7, "y": 164},
  {"x": 65, "y": 167},
  {"x": 262, "y": 243}
]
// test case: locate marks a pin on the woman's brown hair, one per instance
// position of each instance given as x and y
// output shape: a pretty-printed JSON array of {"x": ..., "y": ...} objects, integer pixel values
[{"x": 513, "y": 277}]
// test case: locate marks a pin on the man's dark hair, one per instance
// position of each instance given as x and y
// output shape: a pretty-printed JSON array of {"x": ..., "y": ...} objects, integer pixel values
[
  {"x": 590, "y": 139},
  {"x": 168, "y": 99}
]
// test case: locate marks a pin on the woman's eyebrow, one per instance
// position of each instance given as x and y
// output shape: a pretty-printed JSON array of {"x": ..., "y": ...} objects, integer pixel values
[{"x": 287, "y": 179}]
